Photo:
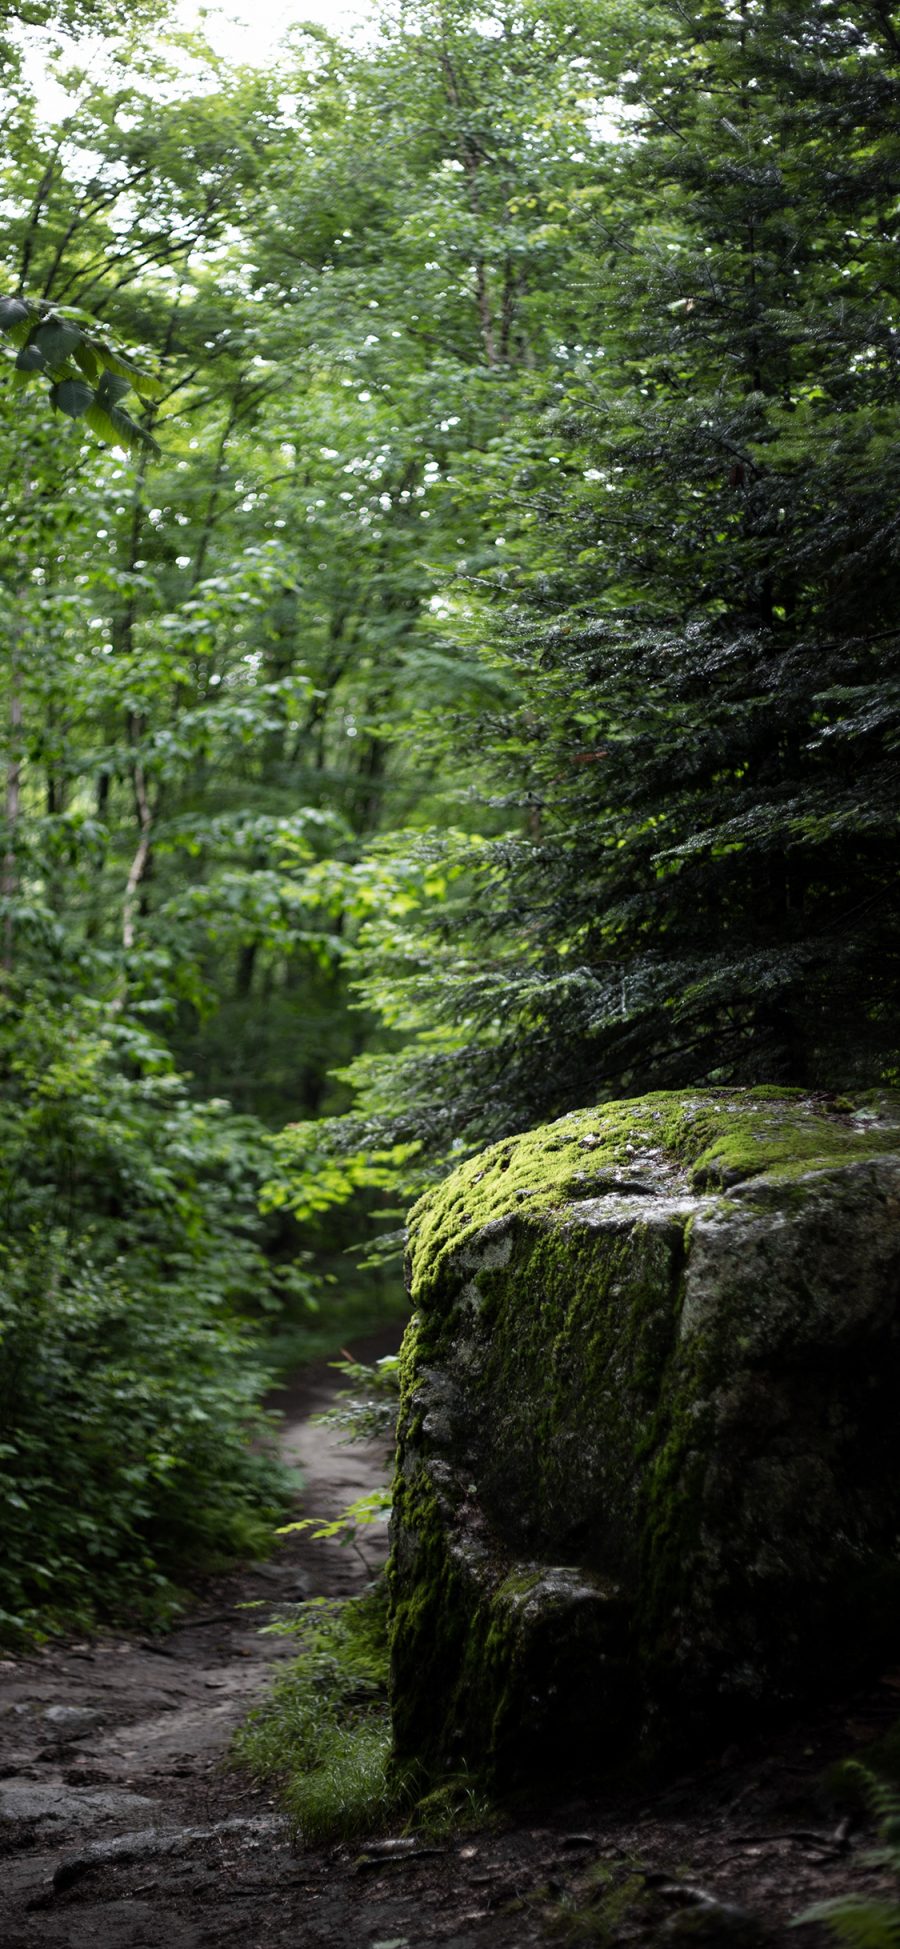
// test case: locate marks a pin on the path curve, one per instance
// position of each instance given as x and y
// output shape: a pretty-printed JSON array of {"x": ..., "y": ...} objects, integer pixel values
[{"x": 111, "y": 1749}]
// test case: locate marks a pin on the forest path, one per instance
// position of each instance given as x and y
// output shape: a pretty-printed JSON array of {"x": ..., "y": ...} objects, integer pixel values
[
  {"x": 122, "y": 1828},
  {"x": 118, "y": 1825}
]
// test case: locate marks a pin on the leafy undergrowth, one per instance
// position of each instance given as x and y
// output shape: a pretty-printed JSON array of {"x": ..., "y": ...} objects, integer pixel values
[
  {"x": 323, "y": 1735},
  {"x": 134, "y": 1450},
  {"x": 143, "y": 1403},
  {"x": 867, "y": 1922}
]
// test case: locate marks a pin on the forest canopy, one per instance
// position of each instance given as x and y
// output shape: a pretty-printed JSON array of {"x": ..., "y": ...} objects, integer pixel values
[{"x": 451, "y": 675}]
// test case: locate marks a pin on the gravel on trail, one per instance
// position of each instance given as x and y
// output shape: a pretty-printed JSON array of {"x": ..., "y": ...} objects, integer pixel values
[{"x": 121, "y": 1826}]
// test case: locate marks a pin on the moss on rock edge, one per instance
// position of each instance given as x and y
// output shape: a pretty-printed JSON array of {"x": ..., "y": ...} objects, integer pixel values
[{"x": 647, "y": 1449}]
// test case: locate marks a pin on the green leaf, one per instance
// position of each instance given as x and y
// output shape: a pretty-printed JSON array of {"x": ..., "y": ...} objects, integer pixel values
[
  {"x": 113, "y": 387},
  {"x": 30, "y": 359},
  {"x": 57, "y": 340},
  {"x": 19, "y": 334},
  {"x": 120, "y": 429},
  {"x": 89, "y": 361},
  {"x": 13, "y": 311},
  {"x": 143, "y": 382},
  {"x": 72, "y": 396},
  {"x": 857, "y": 1920}
]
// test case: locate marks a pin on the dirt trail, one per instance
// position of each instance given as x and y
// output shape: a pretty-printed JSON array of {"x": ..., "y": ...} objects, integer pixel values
[
  {"x": 117, "y": 1824},
  {"x": 120, "y": 1828}
]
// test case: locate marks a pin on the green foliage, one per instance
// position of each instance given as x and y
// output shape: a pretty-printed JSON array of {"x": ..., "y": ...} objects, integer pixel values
[
  {"x": 87, "y": 376},
  {"x": 486, "y": 701},
  {"x": 346, "y": 1526},
  {"x": 337, "y": 1310},
  {"x": 862, "y": 1922},
  {"x": 133, "y": 1446},
  {"x": 460, "y": 1803},
  {"x": 323, "y": 1735},
  {"x": 867, "y": 1922},
  {"x": 366, "y": 1409},
  {"x": 694, "y": 617},
  {"x": 224, "y": 669}
]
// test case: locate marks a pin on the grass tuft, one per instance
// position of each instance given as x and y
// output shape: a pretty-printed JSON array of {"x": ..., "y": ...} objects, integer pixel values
[
  {"x": 350, "y": 1792},
  {"x": 323, "y": 1735},
  {"x": 323, "y": 1738}
]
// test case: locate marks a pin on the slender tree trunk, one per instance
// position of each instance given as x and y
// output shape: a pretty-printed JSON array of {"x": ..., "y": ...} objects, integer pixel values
[
  {"x": 9, "y": 874},
  {"x": 9, "y": 881},
  {"x": 471, "y": 158},
  {"x": 212, "y": 505},
  {"x": 141, "y": 860},
  {"x": 246, "y": 963}
]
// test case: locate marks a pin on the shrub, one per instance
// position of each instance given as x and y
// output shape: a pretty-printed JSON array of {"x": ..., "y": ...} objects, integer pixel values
[{"x": 132, "y": 1440}]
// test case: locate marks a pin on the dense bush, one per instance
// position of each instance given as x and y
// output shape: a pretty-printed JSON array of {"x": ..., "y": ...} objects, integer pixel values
[{"x": 132, "y": 1443}]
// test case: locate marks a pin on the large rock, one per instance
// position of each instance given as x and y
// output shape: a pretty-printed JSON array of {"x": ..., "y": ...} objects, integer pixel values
[{"x": 648, "y": 1463}]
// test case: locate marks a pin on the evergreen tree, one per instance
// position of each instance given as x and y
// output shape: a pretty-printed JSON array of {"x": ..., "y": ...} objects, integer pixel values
[{"x": 702, "y": 883}]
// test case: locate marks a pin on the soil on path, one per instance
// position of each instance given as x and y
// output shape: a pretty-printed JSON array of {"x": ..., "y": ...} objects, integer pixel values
[{"x": 121, "y": 1827}]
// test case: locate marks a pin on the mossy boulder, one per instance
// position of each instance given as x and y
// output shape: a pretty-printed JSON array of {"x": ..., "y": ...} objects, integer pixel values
[{"x": 647, "y": 1477}]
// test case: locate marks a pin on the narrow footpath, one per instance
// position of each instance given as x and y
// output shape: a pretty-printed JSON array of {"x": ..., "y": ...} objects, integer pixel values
[
  {"x": 122, "y": 1827},
  {"x": 120, "y": 1824}
]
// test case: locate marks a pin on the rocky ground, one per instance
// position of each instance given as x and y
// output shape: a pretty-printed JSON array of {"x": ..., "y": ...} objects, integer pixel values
[{"x": 121, "y": 1827}]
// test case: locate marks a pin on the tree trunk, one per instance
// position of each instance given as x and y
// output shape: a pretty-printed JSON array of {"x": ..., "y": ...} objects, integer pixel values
[{"x": 12, "y": 807}]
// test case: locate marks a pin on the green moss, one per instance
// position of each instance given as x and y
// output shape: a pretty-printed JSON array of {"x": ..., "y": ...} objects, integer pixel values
[
  {"x": 594, "y": 1313},
  {"x": 783, "y": 1136},
  {"x": 609, "y": 1906},
  {"x": 707, "y": 1138},
  {"x": 579, "y": 1309},
  {"x": 457, "y": 1805},
  {"x": 424, "y": 1633},
  {"x": 518, "y": 1585}
]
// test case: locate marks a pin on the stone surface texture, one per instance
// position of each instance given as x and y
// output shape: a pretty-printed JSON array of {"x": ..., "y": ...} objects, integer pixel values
[{"x": 647, "y": 1477}]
